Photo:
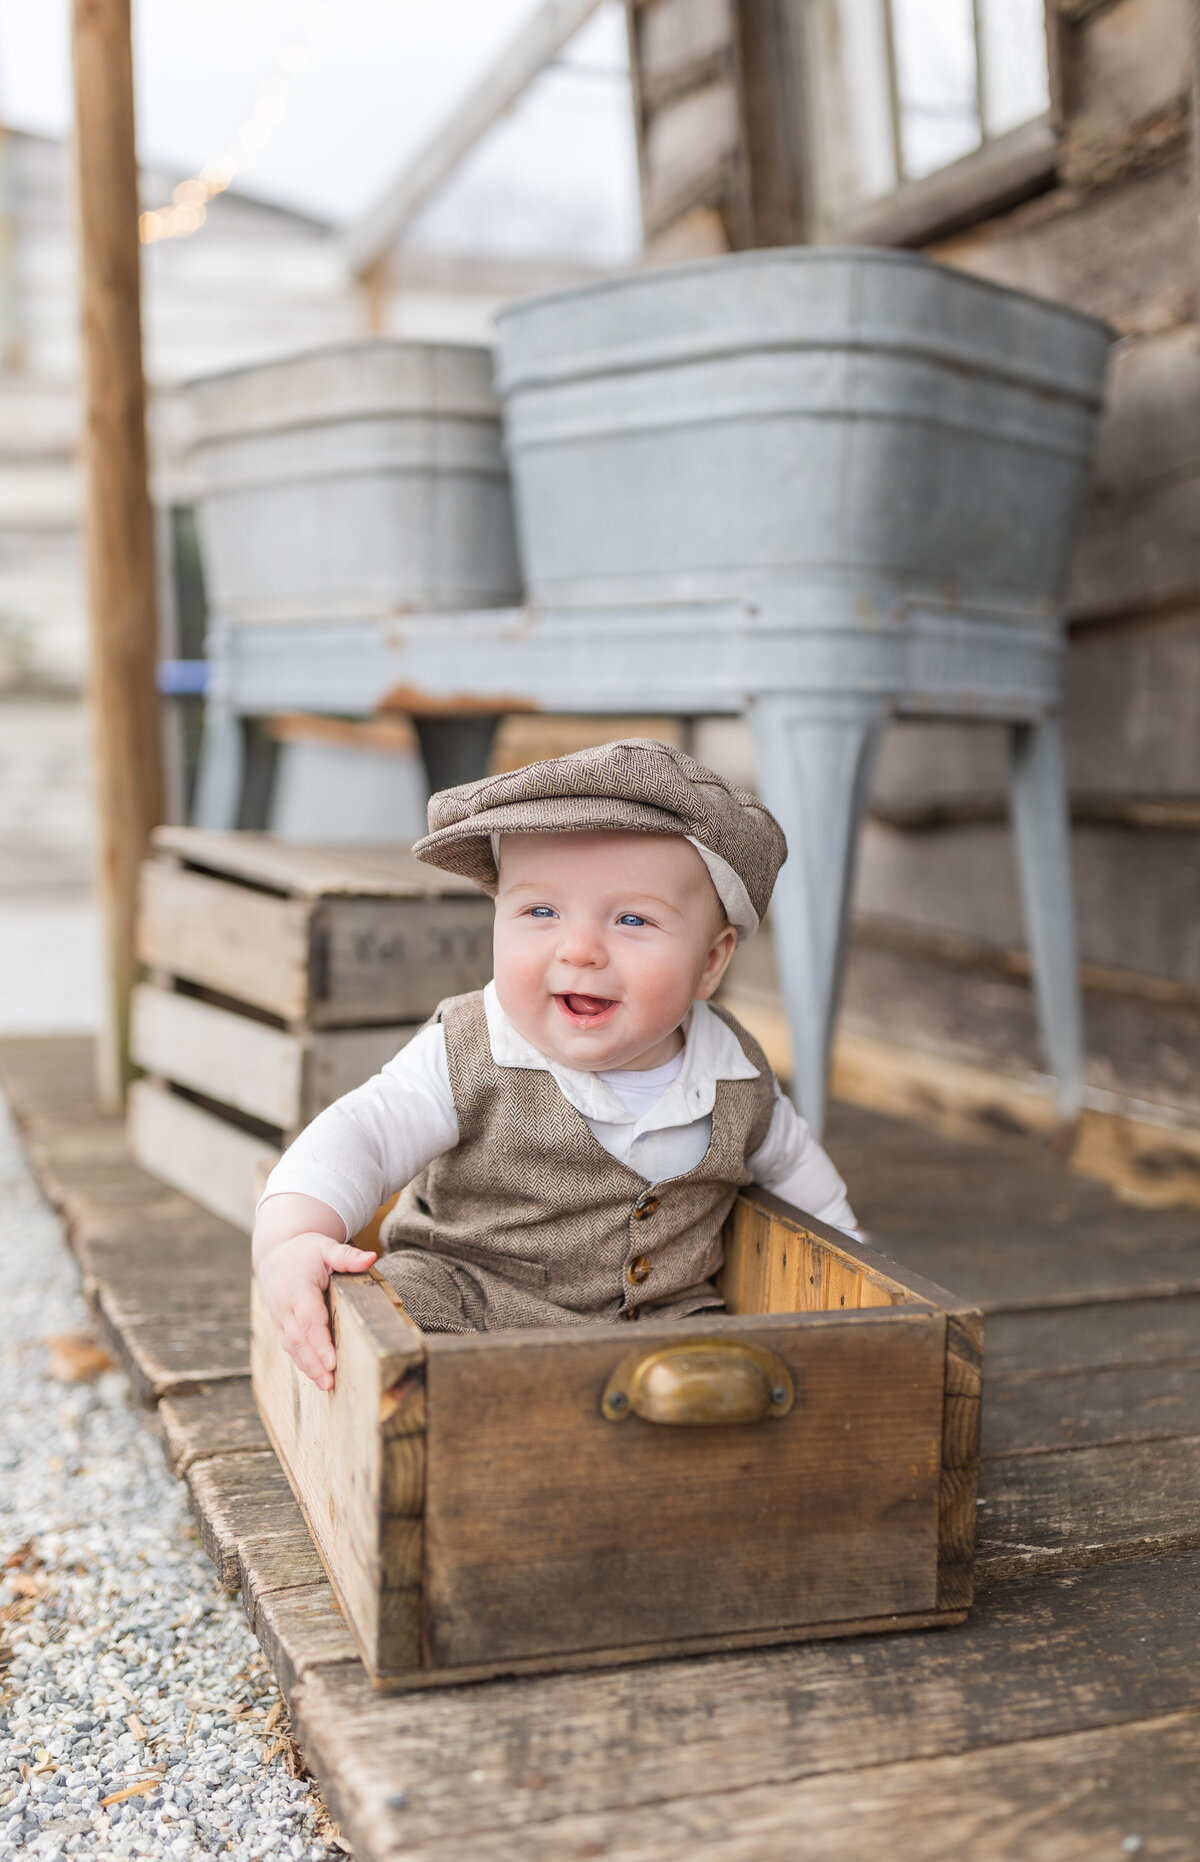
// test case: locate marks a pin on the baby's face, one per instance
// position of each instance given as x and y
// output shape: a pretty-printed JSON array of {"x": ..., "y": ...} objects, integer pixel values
[{"x": 603, "y": 942}]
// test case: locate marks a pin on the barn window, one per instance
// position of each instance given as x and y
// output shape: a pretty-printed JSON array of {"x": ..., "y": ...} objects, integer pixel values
[{"x": 905, "y": 90}]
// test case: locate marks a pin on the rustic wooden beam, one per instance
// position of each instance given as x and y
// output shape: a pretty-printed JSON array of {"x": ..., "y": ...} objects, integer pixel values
[
  {"x": 539, "y": 40},
  {"x": 1194, "y": 23},
  {"x": 119, "y": 525},
  {"x": 776, "y": 130}
]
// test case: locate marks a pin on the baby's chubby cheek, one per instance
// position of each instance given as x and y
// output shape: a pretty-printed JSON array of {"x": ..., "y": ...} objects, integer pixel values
[{"x": 521, "y": 976}]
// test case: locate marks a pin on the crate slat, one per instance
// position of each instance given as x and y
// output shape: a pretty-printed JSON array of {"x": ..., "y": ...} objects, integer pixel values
[
  {"x": 212, "y": 1162},
  {"x": 278, "y": 1075},
  {"x": 229, "y": 1057},
  {"x": 249, "y": 945},
  {"x": 310, "y": 872}
]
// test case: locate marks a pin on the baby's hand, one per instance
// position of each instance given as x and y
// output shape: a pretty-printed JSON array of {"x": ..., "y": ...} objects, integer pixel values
[{"x": 294, "y": 1276}]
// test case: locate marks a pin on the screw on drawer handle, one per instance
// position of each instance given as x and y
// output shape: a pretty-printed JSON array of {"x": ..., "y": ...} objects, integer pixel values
[{"x": 699, "y": 1380}]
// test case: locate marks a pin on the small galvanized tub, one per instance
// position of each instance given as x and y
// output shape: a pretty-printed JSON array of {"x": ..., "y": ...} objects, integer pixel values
[
  {"x": 862, "y": 421},
  {"x": 353, "y": 482}
]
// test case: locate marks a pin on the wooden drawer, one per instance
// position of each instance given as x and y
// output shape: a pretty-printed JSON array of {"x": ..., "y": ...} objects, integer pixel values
[
  {"x": 316, "y": 937},
  {"x": 486, "y": 1504}
]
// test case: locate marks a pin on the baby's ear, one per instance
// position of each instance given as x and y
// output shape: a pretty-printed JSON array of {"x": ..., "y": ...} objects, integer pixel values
[{"x": 717, "y": 962}]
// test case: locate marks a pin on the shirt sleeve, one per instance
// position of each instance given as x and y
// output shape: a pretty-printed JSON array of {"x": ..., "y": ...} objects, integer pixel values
[
  {"x": 791, "y": 1164},
  {"x": 367, "y": 1145}
]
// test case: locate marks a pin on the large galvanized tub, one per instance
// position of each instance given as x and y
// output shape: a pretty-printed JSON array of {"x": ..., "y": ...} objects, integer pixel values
[
  {"x": 858, "y": 426},
  {"x": 353, "y": 482}
]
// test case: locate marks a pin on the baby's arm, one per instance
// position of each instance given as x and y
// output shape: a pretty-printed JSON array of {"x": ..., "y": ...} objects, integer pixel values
[
  {"x": 298, "y": 1242},
  {"x": 329, "y": 1183},
  {"x": 791, "y": 1164}
]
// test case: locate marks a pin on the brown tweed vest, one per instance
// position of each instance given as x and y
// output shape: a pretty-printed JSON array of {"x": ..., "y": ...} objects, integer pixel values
[{"x": 531, "y": 1222}]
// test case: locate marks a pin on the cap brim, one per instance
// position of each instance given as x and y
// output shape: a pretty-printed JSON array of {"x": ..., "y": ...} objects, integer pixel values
[{"x": 465, "y": 847}]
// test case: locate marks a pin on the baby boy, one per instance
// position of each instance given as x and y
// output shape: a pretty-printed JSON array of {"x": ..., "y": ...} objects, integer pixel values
[{"x": 568, "y": 1141}]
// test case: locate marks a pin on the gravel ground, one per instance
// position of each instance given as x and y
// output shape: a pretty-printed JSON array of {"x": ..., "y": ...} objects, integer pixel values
[{"x": 137, "y": 1717}]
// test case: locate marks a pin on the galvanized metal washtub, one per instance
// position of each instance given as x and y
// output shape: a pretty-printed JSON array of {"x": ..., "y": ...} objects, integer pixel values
[
  {"x": 359, "y": 479},
  {"x": 877, "y": 465},
  {"x": 347, "y": 487},
  {"x": 868, "y": 425}
]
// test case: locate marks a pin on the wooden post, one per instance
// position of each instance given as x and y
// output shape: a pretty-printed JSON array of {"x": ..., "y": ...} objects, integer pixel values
[
  {"x": 1194, "y": 21},
  {"x": 118, "y": 523},
  {"x": 376, "y": 282}
]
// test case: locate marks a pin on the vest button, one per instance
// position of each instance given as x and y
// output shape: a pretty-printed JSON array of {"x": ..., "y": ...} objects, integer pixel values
[
  {"x": 645, "y": 1209},
  {"x": 638, "y": 1270}
]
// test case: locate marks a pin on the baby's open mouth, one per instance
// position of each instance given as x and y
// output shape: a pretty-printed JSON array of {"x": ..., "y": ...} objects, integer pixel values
[{"x": 586, "y": 1011}]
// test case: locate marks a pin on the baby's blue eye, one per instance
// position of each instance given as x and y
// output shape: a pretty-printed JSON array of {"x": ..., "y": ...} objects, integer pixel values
[
  {"x": 542, "y": 911},
  {"x": 630, "y": 918}
]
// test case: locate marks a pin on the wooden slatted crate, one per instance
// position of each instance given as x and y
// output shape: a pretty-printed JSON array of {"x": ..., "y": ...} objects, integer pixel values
[
  {"x": 802, "y": 1465},
  {"x": 280, "y": 976}
]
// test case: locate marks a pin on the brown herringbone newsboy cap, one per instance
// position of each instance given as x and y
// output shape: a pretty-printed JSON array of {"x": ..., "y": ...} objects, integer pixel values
[{"x": 636, "y": 786}]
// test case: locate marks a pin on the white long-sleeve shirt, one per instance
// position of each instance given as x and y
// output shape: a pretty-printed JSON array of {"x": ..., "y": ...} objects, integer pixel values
[{"x": 370, "y": 1143}]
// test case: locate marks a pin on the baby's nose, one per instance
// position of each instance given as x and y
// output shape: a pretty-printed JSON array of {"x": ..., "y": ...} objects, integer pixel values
[{"x": 581, "y": 946}]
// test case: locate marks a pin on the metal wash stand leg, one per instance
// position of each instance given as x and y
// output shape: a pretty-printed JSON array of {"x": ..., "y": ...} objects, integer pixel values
[{"x": 822, "y": 489}]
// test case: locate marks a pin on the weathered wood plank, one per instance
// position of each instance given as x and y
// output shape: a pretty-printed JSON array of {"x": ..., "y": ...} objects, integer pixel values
[
  {"x": 690, "y": 144},
  {"x": 617, "y": 1534},
  {"x": 49, "y": 1079},
  {"x": 233, "y": 1058},
  {"x": 1035, "y": 1659},
  {"x": 1087, "y": 1506},
  {"x": 301, "y": 1628},
  {"x": 355, "y": 1458},
  {"x": 171, "y": 1290},
  {"x": 775, "y": 1263},
  {"x": 960, "y": 1460},
  {"x": 1131, "y": 700},
  {"x": 278, "y": 1075},
  {"x": 1149, "y": 1154},
  {"x": 308, "y": 871},
  {"x": 380, "y": 960},
  {"x": 1011, "y": 1235},
  {"x": 340, "y": 1059},
  {"x": 279, "y": 1561},
  {"x": 1087, "y": 1409},
  {"x": 1129, "y": 62},
  {"x": 250, "y": 945},
  {"x": 1064, "y": 1799},
  {"x": 1138, "y": 890},
  {"x": 214, "y": 1162},
  {"x": 210, "y": 1419},
  {"x": 236, "y": 1498},
  {"x": 166, "y": 1357},
  {"x": 678, "y": 40},
  {"x": 1100, "y": 1337},
  {"x": 1122, "y": 253}
]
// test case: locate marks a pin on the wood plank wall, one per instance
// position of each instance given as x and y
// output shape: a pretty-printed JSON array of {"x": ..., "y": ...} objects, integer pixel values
[
  {"x": 1115, "y": 234},
  {"x": 1118, "y": 237},
  {"x": 716, "y": 100}
]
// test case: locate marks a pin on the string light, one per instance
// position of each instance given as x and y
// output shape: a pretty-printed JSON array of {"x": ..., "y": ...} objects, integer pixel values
[{"x": 189, "y": 203}]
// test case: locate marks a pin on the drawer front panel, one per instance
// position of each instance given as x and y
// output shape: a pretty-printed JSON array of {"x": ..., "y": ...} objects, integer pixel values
[{"x": 551, "y": 1529}]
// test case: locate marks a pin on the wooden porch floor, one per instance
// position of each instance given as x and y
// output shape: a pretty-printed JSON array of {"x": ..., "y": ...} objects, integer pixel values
[{"x": 1061, "y": 1721}]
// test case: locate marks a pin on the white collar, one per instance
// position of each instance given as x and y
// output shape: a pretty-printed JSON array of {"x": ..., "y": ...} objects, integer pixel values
[{"x": 711, "y": 1052}]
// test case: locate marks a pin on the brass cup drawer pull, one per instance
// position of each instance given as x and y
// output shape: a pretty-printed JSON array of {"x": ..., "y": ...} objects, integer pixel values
[{"x": 701, "y": 1380}]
